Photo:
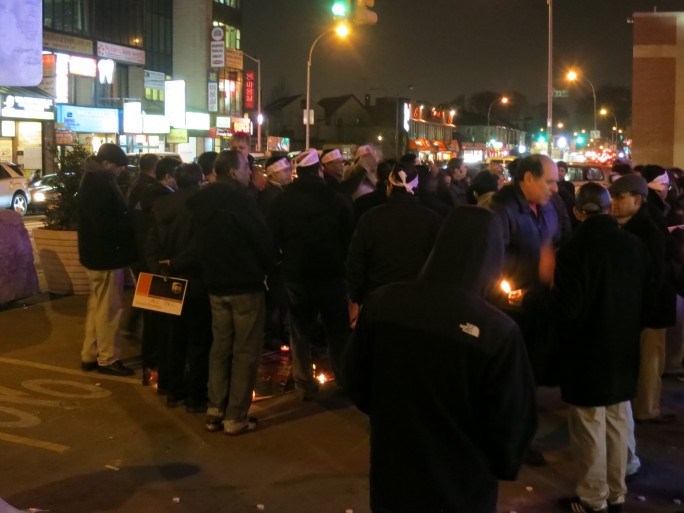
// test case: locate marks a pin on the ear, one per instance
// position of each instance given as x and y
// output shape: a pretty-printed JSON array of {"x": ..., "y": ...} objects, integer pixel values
[
  {"x": 639, "y": 200},
  {"x": 528, "y": 177},
  {"x": 580, "y": 216}
]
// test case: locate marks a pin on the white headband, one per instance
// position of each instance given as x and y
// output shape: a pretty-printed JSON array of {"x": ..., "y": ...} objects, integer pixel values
[
  {"x": 307, "y": 158},
  {"x": 408, "y": 186},
  {"x": 330, "y": 156},
  {"x": 660, "y": 182},
  {"x": 278, "y": 165}
]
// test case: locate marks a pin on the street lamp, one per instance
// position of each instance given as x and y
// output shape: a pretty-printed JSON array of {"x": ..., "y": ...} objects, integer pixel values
[
  {"x": 605, "y": 112},
  {"x": 504, "y": 100},
  {"x": 342, "y": 31},
  {"x": 260, "y": 117},
  {"x": 572, "y": 76}
]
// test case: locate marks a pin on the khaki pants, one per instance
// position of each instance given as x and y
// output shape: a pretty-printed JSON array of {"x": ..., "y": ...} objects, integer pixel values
[
  {"x": 598, "y": 440},
  {"x": 652, "y": 364},
  {"x": 101, "y": 340}
]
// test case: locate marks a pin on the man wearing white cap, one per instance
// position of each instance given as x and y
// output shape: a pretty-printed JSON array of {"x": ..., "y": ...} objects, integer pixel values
[
  {"x": 365, "y": 157},
  {"x": 312, "y": 226},
  {"x": 333, "y": 167},
  {"x": 278, "y": 175}
]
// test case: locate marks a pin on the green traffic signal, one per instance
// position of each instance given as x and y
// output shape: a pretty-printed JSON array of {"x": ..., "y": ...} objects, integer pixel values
[
  {"x": 580, "y": 140},
  {"x": 541, "y": 138},
  {"x": 339, "y": 9}
]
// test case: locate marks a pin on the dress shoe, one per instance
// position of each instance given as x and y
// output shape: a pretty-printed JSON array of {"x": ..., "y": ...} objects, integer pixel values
[
  {"x": 115, "y": 369},
  {"x": 89, "y": 366}
]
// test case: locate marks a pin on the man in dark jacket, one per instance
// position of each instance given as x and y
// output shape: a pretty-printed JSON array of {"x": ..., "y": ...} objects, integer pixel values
[
  {"x": 312, "y": 225},
  {"x": 458, "y": 188},
  {"x": 629, "y": 194},
  {"x": 105, "y": 245},
  {"x": 234, "y": 245},
  {"x": 598, "y": 297},
  {"x": 156, "y": 325},
  {"x": 169, "y": 251},
  {"x": 146, "y": 176},
  {"x": 392, "y": 241},
  {"x": 444, "y": 378}
]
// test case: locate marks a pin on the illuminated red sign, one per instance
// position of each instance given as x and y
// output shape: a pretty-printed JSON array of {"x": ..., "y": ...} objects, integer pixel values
[{"x": 249, "y": 91}]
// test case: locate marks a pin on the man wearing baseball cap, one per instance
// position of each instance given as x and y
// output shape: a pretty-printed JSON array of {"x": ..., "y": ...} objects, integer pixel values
[
  {"x": 629, "y": 195},
  {"x": 597, "y": 299},
  {"x": 106, "y": 244}
]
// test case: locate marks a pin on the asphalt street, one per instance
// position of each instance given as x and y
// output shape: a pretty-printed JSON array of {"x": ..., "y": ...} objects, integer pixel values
[{"x": 78, "y": 442}]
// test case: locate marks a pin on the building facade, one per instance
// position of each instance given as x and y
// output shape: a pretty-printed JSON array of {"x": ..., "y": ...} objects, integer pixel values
[{"x": 658, "y": 89}]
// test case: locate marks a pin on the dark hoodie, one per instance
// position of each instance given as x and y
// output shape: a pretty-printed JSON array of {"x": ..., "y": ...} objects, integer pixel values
[{"x": 444, "y": 378}]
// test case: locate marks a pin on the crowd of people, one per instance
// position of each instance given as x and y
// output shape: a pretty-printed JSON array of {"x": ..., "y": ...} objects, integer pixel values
[{"x": 444, "y": 299}]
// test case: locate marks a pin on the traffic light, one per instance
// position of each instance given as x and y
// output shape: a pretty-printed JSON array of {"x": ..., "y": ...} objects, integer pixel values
[
  {"x": 341, "y": 9},
  {"x": 541, "y": 138},
  {"x": 580, "y": 140},
  {"x": 362, "y": 14}
]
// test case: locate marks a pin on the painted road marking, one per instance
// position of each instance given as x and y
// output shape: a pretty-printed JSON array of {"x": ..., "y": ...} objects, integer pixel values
[
  {"x": 39, "y": 385},
  {"x": 31, "y": 442},
  {"x": 73, "y": 372}
]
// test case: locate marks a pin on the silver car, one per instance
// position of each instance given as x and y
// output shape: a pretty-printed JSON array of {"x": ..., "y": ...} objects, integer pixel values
[{"x": 14, "y": 191}]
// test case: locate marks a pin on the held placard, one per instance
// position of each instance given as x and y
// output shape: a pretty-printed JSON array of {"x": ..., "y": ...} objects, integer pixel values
[{"x": 160, "y": 293}]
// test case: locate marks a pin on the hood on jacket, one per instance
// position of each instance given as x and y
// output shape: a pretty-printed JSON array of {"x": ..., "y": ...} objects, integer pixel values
[{"x": 468, "y": 252}]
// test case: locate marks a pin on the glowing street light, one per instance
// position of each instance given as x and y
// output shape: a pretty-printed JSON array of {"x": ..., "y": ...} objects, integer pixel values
[
  {"x": 342, "y": 31},
  {"x": 572, "y": 76},
  {"x": 503, "y": 100},
  {"x": 604, "y": 112}
]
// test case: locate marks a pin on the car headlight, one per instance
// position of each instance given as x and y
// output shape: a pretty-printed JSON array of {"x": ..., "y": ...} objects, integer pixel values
[{"x": 39, "y": 196}]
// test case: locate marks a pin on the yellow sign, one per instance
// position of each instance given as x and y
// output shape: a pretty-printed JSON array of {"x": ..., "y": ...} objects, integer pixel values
[{"x": 177, "y": 136}]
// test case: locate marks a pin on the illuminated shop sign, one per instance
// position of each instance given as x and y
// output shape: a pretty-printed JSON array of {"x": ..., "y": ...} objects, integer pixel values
[
  {"x": 155, "y": 124},
  {"x": 120, "y": 53},
  {"x": 23, "y": 107},
  {"x": 197, "y": 121},
  {"x": 174, "y": 102},
  {"x": 88, "y": 119},
  {"x": 222, "y": 121},
  {"x": 132, "y": 118},
  {"x": 83, "y": 66},
  {"x": 242, "y": 125}
]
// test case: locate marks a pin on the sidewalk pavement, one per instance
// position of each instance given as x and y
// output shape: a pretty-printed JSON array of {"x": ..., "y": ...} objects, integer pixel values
[{"x": 79, "y": 442}]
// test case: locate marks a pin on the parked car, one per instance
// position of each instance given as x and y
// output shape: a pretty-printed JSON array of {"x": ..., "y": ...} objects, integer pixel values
[
  {"x": 41, "y": 191},
  {"x": 14, "y": 193},
  {"x": 580, "y": 173}
]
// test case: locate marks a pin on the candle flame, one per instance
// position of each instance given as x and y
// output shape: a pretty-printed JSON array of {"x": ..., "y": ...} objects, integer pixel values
[
  {"x": 284, "y": 348},
  {"x": 506, "y": 287},
  {"x": 322, "y": 378}
]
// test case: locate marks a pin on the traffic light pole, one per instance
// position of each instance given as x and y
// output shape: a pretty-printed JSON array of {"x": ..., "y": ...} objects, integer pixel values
[{"x": 549, "y": 99}]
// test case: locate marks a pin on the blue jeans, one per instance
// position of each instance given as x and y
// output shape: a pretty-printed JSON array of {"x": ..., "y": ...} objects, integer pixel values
[
  {"x": 238, "y": 329},
  {"x": 305, "y": 302}
]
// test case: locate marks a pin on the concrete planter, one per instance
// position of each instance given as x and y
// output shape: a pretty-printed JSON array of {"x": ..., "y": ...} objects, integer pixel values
[{"x": 58, "y": 253}]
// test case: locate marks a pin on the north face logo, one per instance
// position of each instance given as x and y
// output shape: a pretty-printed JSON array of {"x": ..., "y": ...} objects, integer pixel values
[{"x": 470, "y": 329}]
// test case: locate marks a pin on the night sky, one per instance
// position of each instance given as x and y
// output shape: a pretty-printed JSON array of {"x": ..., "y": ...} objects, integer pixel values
[{"x": 444, "y": 48}]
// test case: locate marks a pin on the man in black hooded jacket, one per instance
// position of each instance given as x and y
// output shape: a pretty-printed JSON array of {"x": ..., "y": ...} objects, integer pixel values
[{"x": 444, "y": 378}]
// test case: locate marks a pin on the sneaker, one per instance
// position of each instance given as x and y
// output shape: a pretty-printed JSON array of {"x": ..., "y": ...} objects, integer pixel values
[
  {"x": 149, "y": 377},
  {"x": 213, "y": 423},
  {"x": 234, "y": 428},
  {"x": 89, "y": 366},
  {"x": 576, "y": 505},
  {"x": 115, "y": 369}
]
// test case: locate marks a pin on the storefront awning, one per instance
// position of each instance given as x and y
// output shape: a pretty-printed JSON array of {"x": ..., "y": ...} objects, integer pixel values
[{"x": 420, "y": 145}]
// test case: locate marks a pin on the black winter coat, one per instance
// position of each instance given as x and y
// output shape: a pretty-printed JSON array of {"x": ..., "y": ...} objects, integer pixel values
[
  {"x": 171, "y": 239},
  {"x": 231, "y": 239},
  {"x": 105, "y": 231},
  {"x": 444, "y": 378},
  {"x": 663, "y": 311},
  {"x": 391, "y": 243},
  {"x": 311, "y": 225},
  {"x": 599, "y": 296},
  {"x": 143, "y": 219}
]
